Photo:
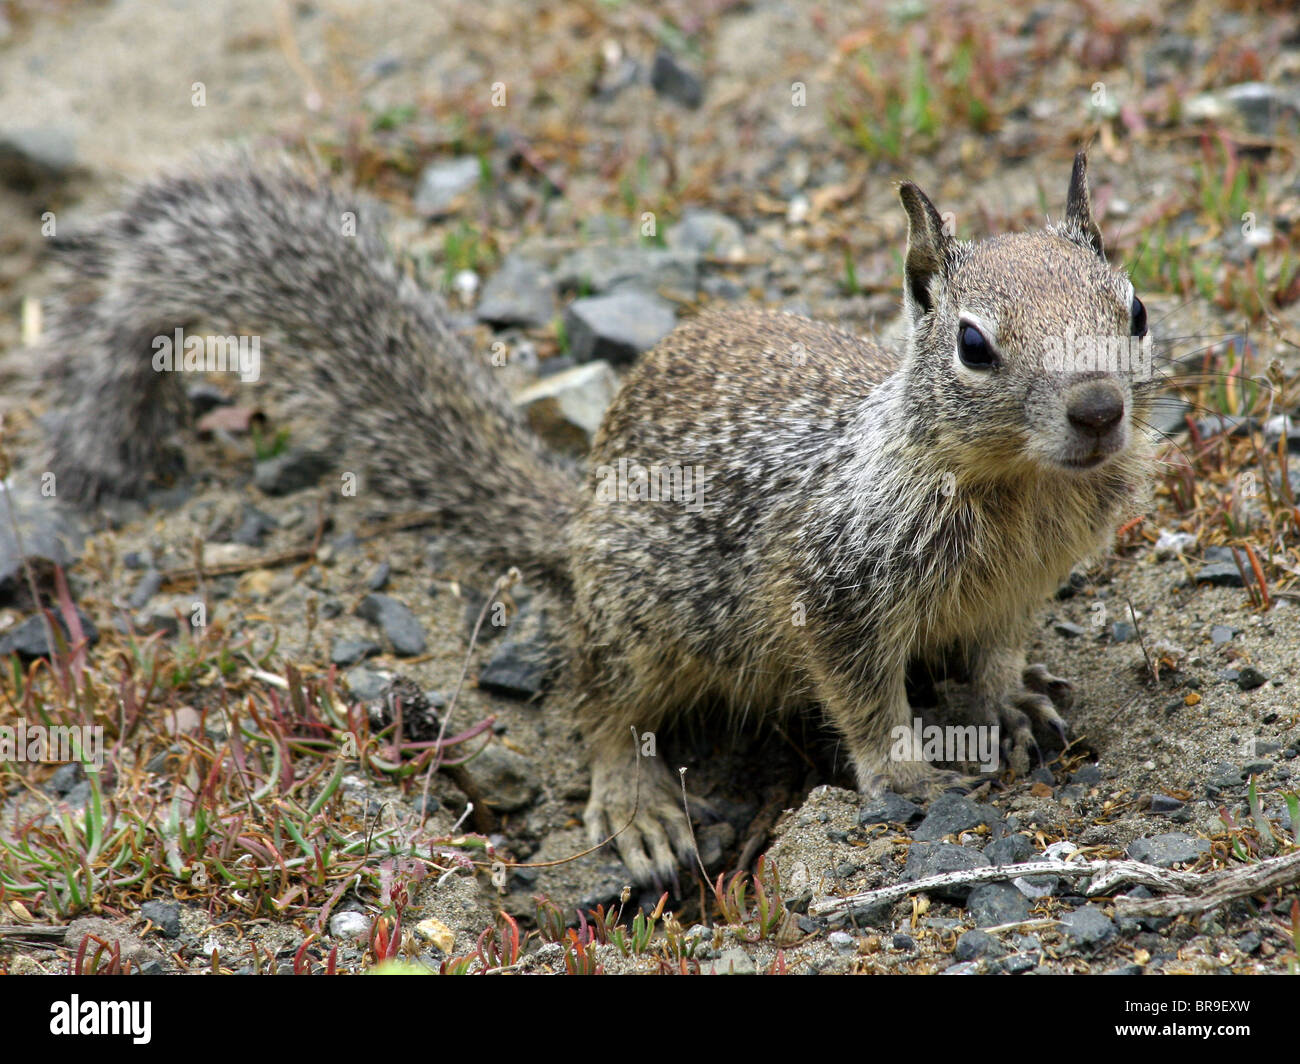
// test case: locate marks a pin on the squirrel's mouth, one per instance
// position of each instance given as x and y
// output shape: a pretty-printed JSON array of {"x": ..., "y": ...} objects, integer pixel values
[
  {"x": 1098, "y": 454},
  {"x": 1081, "y": 452},
  {"x": 1090, "y": 461}
]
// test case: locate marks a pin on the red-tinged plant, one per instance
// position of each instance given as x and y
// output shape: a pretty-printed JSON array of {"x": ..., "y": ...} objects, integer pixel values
[{"x": 114, "y": 965}]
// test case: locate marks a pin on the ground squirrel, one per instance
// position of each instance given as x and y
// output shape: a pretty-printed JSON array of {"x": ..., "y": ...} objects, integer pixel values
[{"x": 854, "y": 512}]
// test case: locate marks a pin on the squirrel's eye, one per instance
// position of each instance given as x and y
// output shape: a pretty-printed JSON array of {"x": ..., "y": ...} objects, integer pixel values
[
  {"x": 1137, "y": 315},
  {"x": 973, "y": 349}
]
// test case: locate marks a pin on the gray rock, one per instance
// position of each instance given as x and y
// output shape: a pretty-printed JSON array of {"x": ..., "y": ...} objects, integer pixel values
[
  {"x": 1086, "y": 774},
  {"x": 253, "y": 527},
  {"x": 734, "y": 961},
  {"x": 618, "y": 77},
  {"x": 1036, "y": 887},
  {"x": 842, "y": 941},
  {"x": 345, "y": 543},
  {"x": 519, "y": 293},
  {"x": 132, "y": 947},
  {"x": 51, "y": 534},
  {"x": 976, "y": 944},
  {"x": 397, "y": 622},
  {"x": 866, "y": 914},
  {"x": 378, "y": 580},
  {"x": 1249, "y": 677},
  {"x": 204, "y": 397},
  {"x": 1089, "y": 927},
  {"x": 519, "y": 667},
  {"x": 28, "y": 638},
  {"x": 32, "y": 158},
  {"x": 166, "y": 761},
  {"x": 165, "y": 915},
  {"x": 1222, "y": 633},
  {"x": 889, "y": 808},
  {"x": 1225, "y": 774},
  {"x": 1279, "y": 426},
  {"x": 79, "y": 796},
  {"x": 926, "y": 859},
  {"x": 1172, "y": 544},
  {"x": 65, "y": 777},
  {"x": 605, "y": 882},
  {"x": 167, "y": 614},
  {"x": 442, "y": 184},
  {"x": 707, "y": 232},
  {"x": 1163, "y": 803},
  {"x": 990, "y": 904},
  {"x": 566, "y": 408},
  {"x": 1219, "y": 574},
  {"x": 1069, "y": 629},
  {"x": 348, "y": 652},
  {"x": 1010, "y": 849},
  {"x": 291, "y": 471},
  {"x": 509, "y": 780},
  {"x": 383, "y": 66},
  {"x": 950, "y": 814},
  {"x": 605, "y": 268},
  {"x": 1169, "y": 415},
  {"x": 616, "y": 327},
  {"x": 352, "y": 926},
  {"x": 1121, "y": 632},
  {"x": 1224, "y": 425},
  {"x": 150, "y": 584},
  {"x": 674, "y": 82},
  {"x": 714, "y": 841},
  {"x": 1165, "y": 851},
  {"x": 1264, "y": 109}
]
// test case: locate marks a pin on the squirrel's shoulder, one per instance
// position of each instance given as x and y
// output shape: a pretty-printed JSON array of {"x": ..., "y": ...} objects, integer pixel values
[{"x": 769, "y": 349}]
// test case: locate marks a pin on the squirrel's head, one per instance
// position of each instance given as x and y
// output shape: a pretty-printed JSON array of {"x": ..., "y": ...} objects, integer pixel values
[{"x": 1027, "y": 349}]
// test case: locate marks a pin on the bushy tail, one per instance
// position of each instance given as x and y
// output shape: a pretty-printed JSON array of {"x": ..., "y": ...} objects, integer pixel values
[{"x": 264, "y": 247}]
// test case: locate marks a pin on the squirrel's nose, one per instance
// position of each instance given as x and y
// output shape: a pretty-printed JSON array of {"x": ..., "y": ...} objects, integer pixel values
[{"x": 1095, "y": 407}]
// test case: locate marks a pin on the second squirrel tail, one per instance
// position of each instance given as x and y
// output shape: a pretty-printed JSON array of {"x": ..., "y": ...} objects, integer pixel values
[{"x": 266, "y": 247}]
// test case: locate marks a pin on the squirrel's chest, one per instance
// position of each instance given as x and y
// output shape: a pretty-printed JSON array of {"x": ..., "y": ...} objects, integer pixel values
[{"x": 984, "y": 568}]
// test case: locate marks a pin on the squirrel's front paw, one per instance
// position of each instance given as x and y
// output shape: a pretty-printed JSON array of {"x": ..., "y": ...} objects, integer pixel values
[
  {"x": 922, "y": 782},
  {"x": 653, "y": 832},
  {"x": 1034, "y": 705}
]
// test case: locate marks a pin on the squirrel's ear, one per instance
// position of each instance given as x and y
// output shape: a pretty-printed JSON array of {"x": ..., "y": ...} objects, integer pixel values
[
  {"x": 927, "y": 247},
  {"x": 1078, "y": 204}
]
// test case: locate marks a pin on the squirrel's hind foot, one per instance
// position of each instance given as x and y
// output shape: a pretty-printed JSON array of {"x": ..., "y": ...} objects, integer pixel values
[{"x": 650, "y": 828}]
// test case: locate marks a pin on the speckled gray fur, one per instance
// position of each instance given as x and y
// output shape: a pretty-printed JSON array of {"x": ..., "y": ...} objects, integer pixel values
[{"x": 861, "y": 510}]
